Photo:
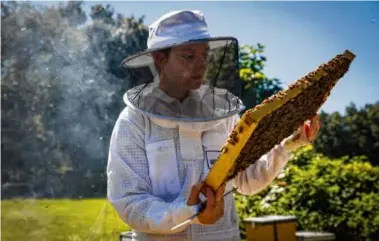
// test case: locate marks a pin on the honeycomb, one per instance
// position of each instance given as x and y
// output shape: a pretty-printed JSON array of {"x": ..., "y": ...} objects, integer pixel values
[{"x": 267, "y": 124}]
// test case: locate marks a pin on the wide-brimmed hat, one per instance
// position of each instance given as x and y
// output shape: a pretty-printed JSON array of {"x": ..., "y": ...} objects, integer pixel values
[{"x": 176, "y": 28}]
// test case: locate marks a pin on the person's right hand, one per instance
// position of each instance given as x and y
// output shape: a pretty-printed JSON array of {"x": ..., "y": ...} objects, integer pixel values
[{"x": 214, "y": 209}]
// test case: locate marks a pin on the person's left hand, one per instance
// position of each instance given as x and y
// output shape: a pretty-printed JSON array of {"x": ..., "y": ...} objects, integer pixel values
[{"x": 305, "y": 134}]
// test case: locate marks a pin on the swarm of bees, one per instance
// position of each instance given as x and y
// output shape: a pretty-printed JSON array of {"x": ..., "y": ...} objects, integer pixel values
[{"x": 276, "y": 118}]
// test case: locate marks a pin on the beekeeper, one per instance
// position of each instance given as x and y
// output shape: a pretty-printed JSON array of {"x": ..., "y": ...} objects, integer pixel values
[{"x": 181, "y": 104}]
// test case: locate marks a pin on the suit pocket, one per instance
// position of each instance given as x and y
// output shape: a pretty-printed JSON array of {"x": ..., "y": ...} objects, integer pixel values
[
  {"x": 212, "y": 143},
  {"x": 163, "y": 169}
]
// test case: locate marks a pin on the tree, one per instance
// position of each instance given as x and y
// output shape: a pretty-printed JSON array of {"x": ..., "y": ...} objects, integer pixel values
[
  {"x": 60, "y": 97},
  {"x": 98, "y": 12},
  {"x": 353, "y": 134},
  {"x": 256, "y": 85},
  {"x": 73, "y": 12}
]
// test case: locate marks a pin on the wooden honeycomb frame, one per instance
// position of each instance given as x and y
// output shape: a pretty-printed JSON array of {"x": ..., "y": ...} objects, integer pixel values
[{"x": 276, "y": 118}]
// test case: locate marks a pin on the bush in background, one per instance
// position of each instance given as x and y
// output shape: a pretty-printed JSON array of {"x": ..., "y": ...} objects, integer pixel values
[{"x": 334, "y": 195}]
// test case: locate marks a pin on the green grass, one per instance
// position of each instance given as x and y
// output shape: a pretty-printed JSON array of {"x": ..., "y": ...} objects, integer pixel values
[{"x": 59, "y": 219}]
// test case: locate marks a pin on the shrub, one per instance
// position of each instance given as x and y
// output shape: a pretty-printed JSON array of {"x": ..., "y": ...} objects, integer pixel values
[{"x": 339, "y": 196}]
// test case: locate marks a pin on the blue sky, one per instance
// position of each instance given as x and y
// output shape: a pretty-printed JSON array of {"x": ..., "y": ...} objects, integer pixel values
[{"x": 298, "y": 37}]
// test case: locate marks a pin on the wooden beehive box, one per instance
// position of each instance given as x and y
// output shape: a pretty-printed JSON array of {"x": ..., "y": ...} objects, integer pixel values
[{"x": 270, "y": 228}]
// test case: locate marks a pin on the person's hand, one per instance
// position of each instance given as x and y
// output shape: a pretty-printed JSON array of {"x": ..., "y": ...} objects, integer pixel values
[
  {"x": 309, "y": 130},
  {"x": 214, "y": 208},
  {"x": 305, "y": 134}
]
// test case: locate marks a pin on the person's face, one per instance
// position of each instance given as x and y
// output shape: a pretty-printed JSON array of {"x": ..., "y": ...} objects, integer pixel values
[{"x": 185, "y": 66}]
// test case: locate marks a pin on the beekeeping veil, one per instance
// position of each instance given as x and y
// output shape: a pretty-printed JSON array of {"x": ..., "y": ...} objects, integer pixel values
[{"x": 218, "y": 96}]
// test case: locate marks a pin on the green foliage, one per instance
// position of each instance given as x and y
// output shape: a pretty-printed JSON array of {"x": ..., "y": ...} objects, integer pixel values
[
  {"x": 339, "y": 196},
  {"x": 256, "y": 85},
  {"x": 60, "y": 219},
  {"x": 354, "y": 134}
]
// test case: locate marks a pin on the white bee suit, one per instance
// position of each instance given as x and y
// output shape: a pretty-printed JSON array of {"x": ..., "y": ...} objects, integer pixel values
[
  {"x": 161, "y": 147},
  {"x": 154, "y": 162}
]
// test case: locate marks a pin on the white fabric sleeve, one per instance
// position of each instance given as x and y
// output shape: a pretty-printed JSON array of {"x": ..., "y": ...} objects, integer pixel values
[{"x": 128, "y": 183}]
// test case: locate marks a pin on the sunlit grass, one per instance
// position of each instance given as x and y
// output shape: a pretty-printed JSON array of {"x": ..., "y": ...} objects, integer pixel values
[{"x": 59, "y": 219}]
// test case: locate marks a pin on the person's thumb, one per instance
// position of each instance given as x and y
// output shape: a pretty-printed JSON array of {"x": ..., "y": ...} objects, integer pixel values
[
  {"x": 194, "y": 195},
  {"x": 220, "y": 193}
]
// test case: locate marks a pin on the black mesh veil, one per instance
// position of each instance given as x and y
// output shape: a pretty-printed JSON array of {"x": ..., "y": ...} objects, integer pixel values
[{"x": 218, "y": 97}]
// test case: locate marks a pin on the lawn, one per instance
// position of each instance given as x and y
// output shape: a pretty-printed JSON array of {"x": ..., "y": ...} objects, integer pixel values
[{"x": 59, "y": 219}]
